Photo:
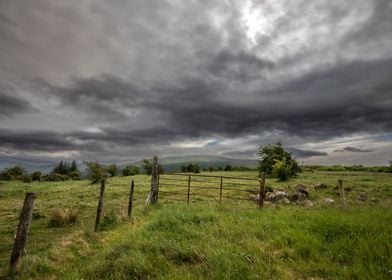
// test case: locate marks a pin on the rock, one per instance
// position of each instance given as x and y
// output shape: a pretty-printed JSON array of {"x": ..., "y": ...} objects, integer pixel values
[
  {"x": 307, "y": 203},
  {"x": 298, "y": 197},
  {"x": 275, "y": 195},
  {"x": 362, "y": 197},
  {"x": 283, "y": 200},
  {"x": 328, "y": 201},
  {"x": 320, "y": 186},
  {"x": 302, "y": 189}
]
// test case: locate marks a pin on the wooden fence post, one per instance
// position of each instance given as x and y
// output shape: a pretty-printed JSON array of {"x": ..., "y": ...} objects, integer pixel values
[
  {"x": 221, "y": 190},
  {"x": 130, "y": 203},
  {"x": 262, "y": 190},
  {"x": 23, "y": 230},
  {"x": 153, "y": 197},
  {"x": 100, "y": 206},
  {"x": 342, "y": 194},
  {"x": 189, "y": 188}
]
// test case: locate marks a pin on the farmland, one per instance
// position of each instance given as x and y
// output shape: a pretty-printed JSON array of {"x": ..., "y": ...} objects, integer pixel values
[{"x": 204, "y": 240}]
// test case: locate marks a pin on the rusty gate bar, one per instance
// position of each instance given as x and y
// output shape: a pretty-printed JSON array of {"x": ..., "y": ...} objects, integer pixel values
[{"x": 184, "y": 180}]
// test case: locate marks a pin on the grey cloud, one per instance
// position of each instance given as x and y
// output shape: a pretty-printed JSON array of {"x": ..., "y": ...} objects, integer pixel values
[
  {"x": 352, "y": 150},
  {"x": 11, "y": 105},
  {"x": 306, "y": 153},
  {"x": 134, "y": 73}
]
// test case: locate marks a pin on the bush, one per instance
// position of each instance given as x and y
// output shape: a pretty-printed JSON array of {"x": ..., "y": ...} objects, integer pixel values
[
  {"x": 130, "y": 170},
  {"x": 36, "y": 176},
  {"x": 74, "y": 175},
  {"x": 26, "y": 178},
  {"x": 62, "y": 217},
  {"x": 56, "y": 177},
  {"x": 6, "y": 176}
]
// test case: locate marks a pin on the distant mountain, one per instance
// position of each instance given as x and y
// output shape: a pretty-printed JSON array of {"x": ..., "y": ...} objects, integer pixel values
[
  {"x": 171, "y": 164},
  {"x": 29, "y": 164}
]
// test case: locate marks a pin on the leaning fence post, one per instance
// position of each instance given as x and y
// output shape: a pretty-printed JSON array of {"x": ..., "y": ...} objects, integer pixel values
[
  {"x": 342, "y": 194},
  {"x": 23, "y": 230},
  {"x": 153, "y": 197},
  {"x": 130, "y": 203},
  {"x": 262, "y": 190},
  {"x": 100, "y": 206},
  {"x": 189, "y": 188}
]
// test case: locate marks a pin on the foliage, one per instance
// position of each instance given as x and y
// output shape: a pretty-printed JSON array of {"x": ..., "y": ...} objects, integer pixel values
[
  {"x": 147, "y": 166},
  {"x": 74, "y": 175},
  {"x": 228, "y": 168},
  {"x": 130, "y": 170},
  {"x": 191, "y": 167},
  {"x": 64, "y": 171},
  {"x": 276, "y": 161},
  {"x": 96, "y": 171},
  {"x": 36, "y": 176},
  {"x": 112, "y": 169}
]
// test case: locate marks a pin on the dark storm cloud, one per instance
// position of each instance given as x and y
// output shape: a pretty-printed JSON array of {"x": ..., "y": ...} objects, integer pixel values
[
  {"x": 352, "y": 150},
  {"x": 306, "y": 153},
  {"x": 158, "y": 73},
  {"x": 35, "y": 141},
  {"x": 10, "y": 105}
]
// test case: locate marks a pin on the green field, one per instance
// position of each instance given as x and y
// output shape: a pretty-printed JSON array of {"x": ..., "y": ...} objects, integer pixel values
[{"x": 204, "y": 240}]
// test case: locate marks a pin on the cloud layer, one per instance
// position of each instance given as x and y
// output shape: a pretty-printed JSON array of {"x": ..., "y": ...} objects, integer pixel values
[{"x": 122, "y": 80}]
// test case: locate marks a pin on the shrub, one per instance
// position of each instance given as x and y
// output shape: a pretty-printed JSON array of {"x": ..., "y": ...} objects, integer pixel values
[
  {"x": 62, "y": 217},
  {"x": 74, "y": 175},
  {"x": 130, "y": 170},
  {"x": 36, "y": 176},
  {"x": 6, "y": 176},
  {"x": 56, "y": 177},
  {"x": 26, "y": 178}
]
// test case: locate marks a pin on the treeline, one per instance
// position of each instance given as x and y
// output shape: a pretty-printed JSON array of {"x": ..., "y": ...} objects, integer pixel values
[
  {"x": 195, "y": 168},
  {"x": 348, "y": 168}
]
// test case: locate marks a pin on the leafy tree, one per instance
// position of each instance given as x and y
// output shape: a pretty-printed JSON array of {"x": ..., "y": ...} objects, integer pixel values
[
  {"x": 130, "y": 170},
  {"x": 147, "y": 166},
  {"x": 277, "y": 162},
  {"x": 210, "y": 168},
  {"x": 228, "y": 168},
  {"x": 112, "y": 169},
  {"x": 96, "y": 171},
  {"x": 195, "y": 168}
]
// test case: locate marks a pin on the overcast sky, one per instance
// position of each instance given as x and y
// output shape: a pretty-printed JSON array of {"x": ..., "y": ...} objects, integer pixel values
[{"x": 116, "y": 81}]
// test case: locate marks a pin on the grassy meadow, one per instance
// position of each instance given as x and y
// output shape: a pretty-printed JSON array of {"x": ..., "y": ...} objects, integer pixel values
[{"x": 204, "y": 240}]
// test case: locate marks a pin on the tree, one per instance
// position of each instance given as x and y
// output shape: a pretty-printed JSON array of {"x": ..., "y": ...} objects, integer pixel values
[
  {"x": 36, "y": 176},
  {"x": 74, "y": 167},
  {"x": 147, "y": 166},
  {"x": 96, "y": 171},
  {"x": 112, "y": 169},
  {"x": 277, "y": 162},
  {"x": 130, "y": 170},
  {"x": 228, "y": 168}
]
